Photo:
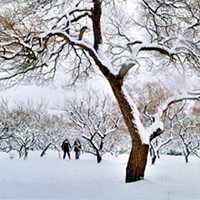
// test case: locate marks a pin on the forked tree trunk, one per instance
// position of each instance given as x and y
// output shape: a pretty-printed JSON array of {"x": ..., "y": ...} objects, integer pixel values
[
  {"x": 137, "y": 162},
  {"x": 138, "y": 157}
]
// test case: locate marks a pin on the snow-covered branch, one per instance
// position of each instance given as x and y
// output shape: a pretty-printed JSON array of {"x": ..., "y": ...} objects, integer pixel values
[
  {"x": 85, "y": 46},
  {"x": 173, "y": 100}
]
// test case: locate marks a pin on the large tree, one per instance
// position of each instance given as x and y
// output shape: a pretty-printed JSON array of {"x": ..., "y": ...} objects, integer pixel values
[{"x": 35, "y": 40}]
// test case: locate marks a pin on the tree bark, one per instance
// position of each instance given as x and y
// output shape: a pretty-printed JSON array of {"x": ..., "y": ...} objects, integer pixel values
[
  {"x": 25, "y": 153},
  {"x": 152, "y": 154},
  {"x": 96, "y": 19},
  {"x": 139, "y": 152},
  {"x": 138, "y": 157},
  {"x": 186, "y": 157},
  {"x": 99, "y": 158},
  {"x": 45, "y": 149},
  {"x": 137, "y": 163}
]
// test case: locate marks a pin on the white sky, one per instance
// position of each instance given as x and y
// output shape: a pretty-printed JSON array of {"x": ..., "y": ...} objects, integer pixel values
[{"x": 53, "y": 96}]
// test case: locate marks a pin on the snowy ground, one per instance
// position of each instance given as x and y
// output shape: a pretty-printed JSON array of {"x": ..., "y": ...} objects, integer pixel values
[{"x": 51, "y": 178}]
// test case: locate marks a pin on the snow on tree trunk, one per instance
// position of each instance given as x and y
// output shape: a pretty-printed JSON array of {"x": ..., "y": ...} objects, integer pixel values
[{"x": 138, "y": 157}]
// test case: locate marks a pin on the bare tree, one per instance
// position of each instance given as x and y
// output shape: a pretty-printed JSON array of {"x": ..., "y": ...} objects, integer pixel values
[
  {"x": 155, "y": 147},
  {"x": 22, "y": 144},
  {"x": 95, "y": 119},
  {"x": 53, "y": 130},
  {"x": 190, "y": 143},
  {"x": 183, "y": 128},
  {"x": 19, "y": 131},
  {"x": 35, "y": 50},
  {"x": 174, "y": 25},
  {"x": 186, "y": 132}
]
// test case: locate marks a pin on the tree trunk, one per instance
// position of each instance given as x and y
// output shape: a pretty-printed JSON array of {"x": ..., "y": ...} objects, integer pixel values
[
  {"x": 186, "y": 158},
  {"x": 152, "y": 154},
  {"x": 158, "y": 154},
  {"x": 137, "y": 162},
  {"x": 45, "y": 149},
  {"x": 96, "y": 19},
  {"x": 99, "y": 158},
  {"x": 138, "y": 157},
  {"x": 25, "y": 153}
]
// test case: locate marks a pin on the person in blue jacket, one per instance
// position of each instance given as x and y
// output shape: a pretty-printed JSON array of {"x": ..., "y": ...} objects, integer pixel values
[{"x": 77, "y": 148}]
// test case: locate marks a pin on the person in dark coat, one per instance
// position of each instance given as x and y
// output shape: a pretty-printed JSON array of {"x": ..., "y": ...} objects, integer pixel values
[
  {"x": 66, "y": 147},
  {"x": 77, "y": 148}
]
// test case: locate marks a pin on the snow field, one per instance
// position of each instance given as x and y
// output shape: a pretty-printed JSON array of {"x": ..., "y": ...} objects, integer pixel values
[{"x": 51, "y": 178}]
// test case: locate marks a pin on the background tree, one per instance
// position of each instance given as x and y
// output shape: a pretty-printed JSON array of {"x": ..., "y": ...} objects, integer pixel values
[
  {"x": 21, "y": 125},
  {"x": 53, "y": 130},
  {"x": 28, "y": 127},
  {"x": 95, "y": 119},
  {"x": 185, "y": 131}
]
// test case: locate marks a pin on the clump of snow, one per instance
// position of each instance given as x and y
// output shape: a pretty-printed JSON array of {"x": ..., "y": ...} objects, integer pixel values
[
  {"x": 158, "y": 124},
  {"x": 104, "y": 57},
  {"x": 144, "y": 132}
]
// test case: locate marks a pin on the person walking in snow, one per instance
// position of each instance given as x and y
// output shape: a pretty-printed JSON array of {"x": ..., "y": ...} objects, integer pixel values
[
  {"x": 66, "y": 147},
  {"x": 77, "y": 148}
]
